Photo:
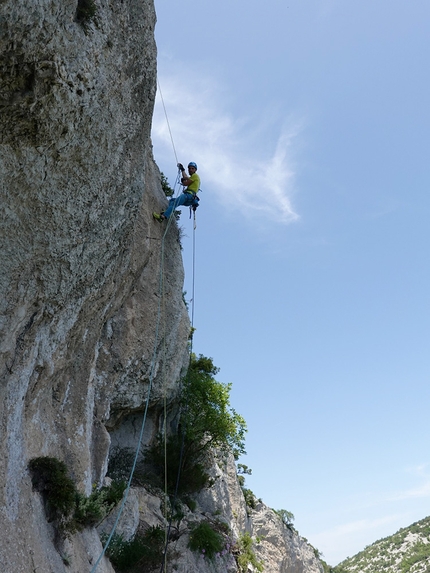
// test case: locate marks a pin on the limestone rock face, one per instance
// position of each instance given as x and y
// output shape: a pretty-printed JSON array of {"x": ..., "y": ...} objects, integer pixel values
[
  {"x": 93, "y": 328},
  {"x": 79, "y": 256},
  {"x": 277, "y": 548},
  {"x": 280, "y": 546}
]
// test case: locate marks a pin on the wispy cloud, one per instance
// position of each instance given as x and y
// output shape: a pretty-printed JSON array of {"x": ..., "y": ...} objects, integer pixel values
[
  {"x": 421, "y": 491},
  {"x": 247, "y": 164},
  {"x": 361, "y": 525},
  {"x": 420, "y": 470},
  {"x": 378, "y": 514},
  {"x": 349, "y": 538}
]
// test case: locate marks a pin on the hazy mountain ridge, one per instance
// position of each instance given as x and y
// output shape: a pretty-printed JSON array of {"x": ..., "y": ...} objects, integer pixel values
[{"x": 408, "y": 550}]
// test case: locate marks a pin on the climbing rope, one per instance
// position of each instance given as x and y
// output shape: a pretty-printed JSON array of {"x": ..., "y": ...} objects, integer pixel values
[
  {"x": 151, "y": 378},
  {"x": 139, "y": 442},
  {"x": 167, "y": 534},
  {"x": 181, "y": 453},
  {"x": 152, "y": 370},
  {"x": 167, "y": 120},
  {"x": 165, "y": 409}
]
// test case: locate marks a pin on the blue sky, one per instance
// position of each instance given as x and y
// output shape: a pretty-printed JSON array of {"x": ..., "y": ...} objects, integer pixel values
[{"x": 309, "y": 121}]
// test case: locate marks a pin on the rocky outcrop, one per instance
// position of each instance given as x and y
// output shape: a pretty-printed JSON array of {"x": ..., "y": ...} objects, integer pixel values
[
  {"x": 80, "y": 289},
  {"x": 278, "y": 548},
  {"x": 80, "y": 255},
  {"x": 275, "y": 537}
]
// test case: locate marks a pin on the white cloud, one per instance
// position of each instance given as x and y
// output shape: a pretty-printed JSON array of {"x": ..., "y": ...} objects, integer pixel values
[
  {"x": 349, "y": 538},
  {"x": 420, "y": 470},
  {"x": 384, "y": 513},
  {"x": 421, "y": 491},
  {"x": 246, "y": 164}
]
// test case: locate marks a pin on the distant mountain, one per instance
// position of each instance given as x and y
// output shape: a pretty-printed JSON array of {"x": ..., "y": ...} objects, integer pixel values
[{"x": 407, "y": 551}]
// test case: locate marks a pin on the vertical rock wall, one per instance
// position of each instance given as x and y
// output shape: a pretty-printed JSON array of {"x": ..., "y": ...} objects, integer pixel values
[
  {"x": 80, "y": 285},
  {"x": 79, "y": 254}
]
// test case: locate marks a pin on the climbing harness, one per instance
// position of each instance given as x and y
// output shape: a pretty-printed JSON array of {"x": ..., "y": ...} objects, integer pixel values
[{"x": 194, "y": 204}]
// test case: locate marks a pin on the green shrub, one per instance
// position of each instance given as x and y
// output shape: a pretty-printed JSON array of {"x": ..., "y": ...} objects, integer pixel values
[
  {"x": 245, "y": 554},
  {"x": 50, "y": 478},
  {"x": 286, "y": 516},
  {"x": 92, "y": 509},
  {"x": 206, "y": 540},
  {"x": 250, "y": 499},
  {"x": 168, "y": 191},
  {"x": 193, "y": 476},
  {"x": 120, "y": 463},
  {"x": 64, "y": 503},
  {"x": 86, "y": 12},
  {"x": 190, "y": 503},
  {"x": 208, "y": 424},
  {"x": 143, "y": 551}
]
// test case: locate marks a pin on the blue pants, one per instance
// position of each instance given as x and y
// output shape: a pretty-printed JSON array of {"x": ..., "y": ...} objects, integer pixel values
[{"x": 186, "y": 199}]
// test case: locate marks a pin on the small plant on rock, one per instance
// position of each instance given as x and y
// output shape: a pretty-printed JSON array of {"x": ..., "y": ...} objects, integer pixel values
[
  {"x": 168, "y": 191},
  {"x": 206, "y": 540},
  {"x": 92, "y": 509},
  {"x": 85, "y": 13},
  {"x": 143, "y": 551},
  {"x": 64, "y": 504},
  {"x": 287, "y": 517},
  {"x": 250, "y": 499},
  {"x": 244, "y": 554},
  {"x": 51, "y": 479}
]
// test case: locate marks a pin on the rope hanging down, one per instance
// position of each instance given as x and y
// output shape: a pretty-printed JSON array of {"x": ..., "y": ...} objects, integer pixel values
[
  {"x": 152, "y": 368},
  {"x": 139, "y": 443},
  {"x": 167, "y": 121},
  {"x": 181, "y": 453}
]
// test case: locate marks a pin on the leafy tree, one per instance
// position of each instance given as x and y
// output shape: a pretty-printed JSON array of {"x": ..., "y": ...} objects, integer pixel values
[
  {"x": 243, "y": 469},
  {"x": 250, "y": 499},
  {"x": 286, "y": 516},
  {"x": 208, "y": 425},
  {"x": 209, "y": 419}
]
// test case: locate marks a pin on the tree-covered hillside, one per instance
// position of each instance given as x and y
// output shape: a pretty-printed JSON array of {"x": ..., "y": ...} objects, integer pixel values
[{"x": 407, "y": 551}]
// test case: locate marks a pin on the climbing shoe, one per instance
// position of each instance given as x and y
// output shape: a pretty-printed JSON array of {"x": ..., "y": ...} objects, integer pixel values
[{"x": 158, "y": 217}]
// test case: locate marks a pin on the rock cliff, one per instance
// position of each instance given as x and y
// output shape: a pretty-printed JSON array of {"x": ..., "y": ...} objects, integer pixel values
[{"x": 80, "y": 287}]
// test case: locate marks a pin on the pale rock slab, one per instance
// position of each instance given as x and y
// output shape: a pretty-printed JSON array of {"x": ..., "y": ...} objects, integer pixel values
[{"x": 80, "y": 264}]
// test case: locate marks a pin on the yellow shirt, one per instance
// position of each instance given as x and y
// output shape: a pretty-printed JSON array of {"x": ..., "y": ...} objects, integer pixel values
[{"x": 195, "y": 185}]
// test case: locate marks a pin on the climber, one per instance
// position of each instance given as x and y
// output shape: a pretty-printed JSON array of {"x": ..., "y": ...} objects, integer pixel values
[{"x": 188, "y": 197}]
